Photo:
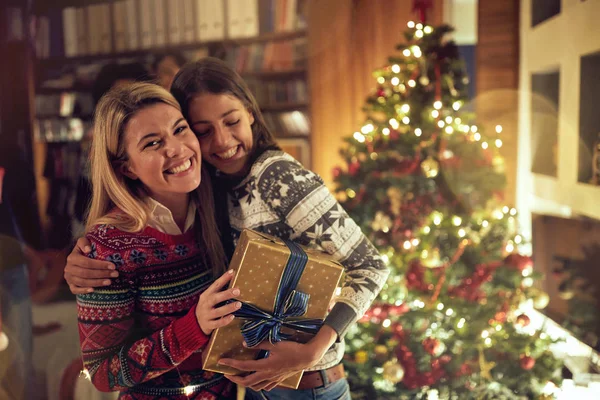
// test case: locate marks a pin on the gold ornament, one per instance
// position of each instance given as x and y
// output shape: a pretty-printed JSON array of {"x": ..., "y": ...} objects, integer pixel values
[
  {"x": 433, "y": 259},
  {"x": 430, "y": 167},
  {"x": 361, "y": 357},
  {"x": 485, "y": 368},
  {"x": 395, "y": 196},
  {"x": 381, "y": 353},
  {"x": 381, "y": 222},
  {"x": 393, "y": 371},
  {"x": 540, "y": 298}
]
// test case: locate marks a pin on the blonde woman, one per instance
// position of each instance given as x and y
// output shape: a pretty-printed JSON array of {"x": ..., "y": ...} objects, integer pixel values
[{"x": 143, "y": 335}]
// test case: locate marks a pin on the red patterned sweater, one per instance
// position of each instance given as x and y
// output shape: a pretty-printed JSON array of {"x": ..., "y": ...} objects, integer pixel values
[{"x": 140, "y": 335}]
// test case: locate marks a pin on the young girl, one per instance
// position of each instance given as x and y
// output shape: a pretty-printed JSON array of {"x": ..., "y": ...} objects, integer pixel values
[
  {"x": 257, "y": 186},
  {"x": 143, "y": 335}
]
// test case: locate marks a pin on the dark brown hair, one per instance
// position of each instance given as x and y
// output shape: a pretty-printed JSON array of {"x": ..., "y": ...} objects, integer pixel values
[{"x": 211, "y": 75}]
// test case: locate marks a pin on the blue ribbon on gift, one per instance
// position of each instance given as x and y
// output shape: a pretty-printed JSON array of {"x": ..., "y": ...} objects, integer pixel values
[{"x": 289, "y": 303}]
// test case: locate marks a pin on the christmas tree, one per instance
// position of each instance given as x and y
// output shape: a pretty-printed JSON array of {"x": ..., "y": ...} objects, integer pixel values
[{"x": 425, "y": 184}]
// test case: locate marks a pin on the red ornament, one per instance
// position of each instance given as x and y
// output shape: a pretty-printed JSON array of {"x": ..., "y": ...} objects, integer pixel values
[
  {"x": 526, "y": 362},
  {"x": 353, "y": 168},
  {"x": 337, "y": 171},
  {"x": 431, "y": 345},
  {"x": 500, "y": 317},
  {"x": 445, "y": 359},
  {"x": 523, "y": 320},
  {"x": 421, "y": 7},
  {"x": 380, "y": 92},
  {"x": 518, "y": 261}
]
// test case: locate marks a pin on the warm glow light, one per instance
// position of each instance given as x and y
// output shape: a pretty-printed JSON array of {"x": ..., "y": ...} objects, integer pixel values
[
  {"x": 485, "y": 223},
  {"x": 456, "y": 220},
  {"x": 488, "y": 342},
  {"x": 424, "y": 254},
  {"x": 385, "y": 258},
  {"x": 477, "y": 137},
  {"x": 437, "y": 220},
  {"x": 437, "y": 105},
  {"x": 416, "y": 49},
  {"x": 498, "y": 143},
  {"x": 474, "y": 128},
  {"x": 498, "y": 328},
  {"x": 518, "y": 239},
  {"x": 412, "y": 83},
  {"x": 505, "y": 209},
  {"x": 406, "y": 120},
  {"x": 415, "y": 242},
  {"x": 396, "y": 68},
  {"x": 485, "y": 334},
  {"x": 419, "y": 26},
  {"x": 440, "y": 306},
  {"x": 351, "y": 193},
  {"x": 406, "y": 52},
  {"x": 418, "y": 132},
  {"x": 461, "y": 232},
  {"x": 465, "y": 128},
  {"x": 395, "y": 81},
  {"x": 386, "y": 323},
  {"x": 188, "y": 390},
  {"x": 498, "y": 214},
  {"x": 359, "y": 137},
  {"x": 498, "y": 128},
  {"x": 449, "y": 312},
  {"x": 449, "y": 130},
  {"x": 426, "y": 230},
  {"x": 513, "y": 211},
  {"x": 428, "y": 29},
  {"x": 381, "y": 80},
  {"x": 441, "y": 123},
  {"x": 461, "y": 323},
  {"x": 385, "y": 131},
  {"x": 435, "y": 113},
  {"x": 405, "y": 108},
  {"x": 448, "y": 119},
  {"x": 456, "y": 105},
  {"x": 394, "y": 123},
  {"x": 527, "y": 282},
  {"x": 510, "y": 248},
  {"x": 457, "y": 120},
  {"x": 368, "y": 128},
  {"x": 484, "y": 145},
  {"x": 419, "y": 34},
  {"x": 411, "y": 24},
  {"x": 406, "y": 245}
]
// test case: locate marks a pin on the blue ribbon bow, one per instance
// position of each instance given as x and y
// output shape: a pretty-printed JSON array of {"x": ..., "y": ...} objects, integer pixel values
[{"x": 289, "y": 303}]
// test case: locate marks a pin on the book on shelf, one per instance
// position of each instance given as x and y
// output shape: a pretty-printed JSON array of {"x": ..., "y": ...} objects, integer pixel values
[
  {"x": 276, "y": 92},
  {"x": 159, "y": 23},
  {"x": 271, "y": 56},
  {"x": 61, "y": 130},
  {"x": 288, "y": 124},
  {"x": 242, "y": 18},
  {"x": 131, "y": 28},
  {"x": 210, "y": 20}
]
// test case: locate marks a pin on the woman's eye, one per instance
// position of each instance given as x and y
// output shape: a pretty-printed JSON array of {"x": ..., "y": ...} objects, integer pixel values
[
  {"x": 153, "y": 143},
  {"x": 200, "y": 134},
  {"x": 233, "y": 123},
  {"x": 180, "y": 129}
]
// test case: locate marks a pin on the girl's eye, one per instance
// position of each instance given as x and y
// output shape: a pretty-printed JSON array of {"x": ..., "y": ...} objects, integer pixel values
[{"x": 201, "y": 134}]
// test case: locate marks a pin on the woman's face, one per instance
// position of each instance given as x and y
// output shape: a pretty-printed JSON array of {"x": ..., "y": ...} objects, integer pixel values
[
  {"x": 163, "y": 153},
  {"x": 224, "y": 128}
]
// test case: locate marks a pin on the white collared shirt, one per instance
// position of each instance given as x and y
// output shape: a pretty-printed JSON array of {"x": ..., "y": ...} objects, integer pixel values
[{"x": 162, "y": 219}]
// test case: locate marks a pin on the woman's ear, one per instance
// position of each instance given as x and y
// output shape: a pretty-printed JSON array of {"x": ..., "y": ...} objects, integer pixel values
[
  {"x": 125, "y": 170},
  {"x": 250, "y": 116}
]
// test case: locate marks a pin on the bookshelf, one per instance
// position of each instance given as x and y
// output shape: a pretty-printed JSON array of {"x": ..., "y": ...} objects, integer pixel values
[{"x": 76, "y": 38}]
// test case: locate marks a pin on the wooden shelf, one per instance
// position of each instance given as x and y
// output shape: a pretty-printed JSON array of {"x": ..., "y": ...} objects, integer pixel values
[
  {"x": 79, "y": 88},
  {"x": 87, "y": 59},
  {"x": 283, "y": 107},
  {"x": 283, "y": 74}
]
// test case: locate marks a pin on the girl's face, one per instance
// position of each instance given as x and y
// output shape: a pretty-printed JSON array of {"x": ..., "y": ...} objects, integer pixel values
[
  {"x": 163, "y": 153},
  {"x": 224, "y": 128}
]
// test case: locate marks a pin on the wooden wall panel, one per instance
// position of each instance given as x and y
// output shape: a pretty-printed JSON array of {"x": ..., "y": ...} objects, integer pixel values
[
  {"x": 347, "y": 41},
  {"x": 497, "y": 65}
]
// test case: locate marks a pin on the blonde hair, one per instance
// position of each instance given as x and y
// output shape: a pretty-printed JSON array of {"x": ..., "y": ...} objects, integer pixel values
[{"x": 122, "y": 202}]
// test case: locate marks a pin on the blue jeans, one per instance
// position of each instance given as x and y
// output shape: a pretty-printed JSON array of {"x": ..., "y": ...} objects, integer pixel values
[
  {"x": 16, "y": 361},
  {"x": 338, "y": 390}
]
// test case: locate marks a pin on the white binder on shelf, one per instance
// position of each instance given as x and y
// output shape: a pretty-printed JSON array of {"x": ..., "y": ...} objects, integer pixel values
[
  {"x": 189, "y": 29},
  {"x": 146, "y": 8},
  {"x": 131, "y": 25},
  {"x": 175, "y": 26},
  {"x": 242, "y": 18},
  {"x": 210, "y": 20},
  {"x": 104, "y": 24},
  {"x": 119, "y": 24},
  {"x": 93, "y": 28},
  {"x": 160, "y": 23},
  {"x": 82, "y": 32},
  {"x": 69, "y": 17}
]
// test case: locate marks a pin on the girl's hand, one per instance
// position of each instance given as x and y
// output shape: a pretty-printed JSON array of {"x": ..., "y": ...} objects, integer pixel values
[
  {"x": 83, "y": 273},
  {"x": 208, "y": 315}
]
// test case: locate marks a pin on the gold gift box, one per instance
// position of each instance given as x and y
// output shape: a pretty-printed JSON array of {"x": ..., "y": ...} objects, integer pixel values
[{"x": 259, "y": 261}]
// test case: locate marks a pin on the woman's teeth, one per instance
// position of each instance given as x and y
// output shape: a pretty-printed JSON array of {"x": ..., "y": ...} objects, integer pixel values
[
  {"x": 228, "y": 154},
  {"x": 180, "y": 168}
]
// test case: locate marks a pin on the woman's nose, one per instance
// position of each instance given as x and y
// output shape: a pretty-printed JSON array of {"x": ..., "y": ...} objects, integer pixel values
[
  {"x": 173, "y": 148},
  {"x": 221, "y": 137}
]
